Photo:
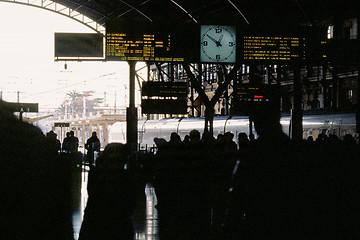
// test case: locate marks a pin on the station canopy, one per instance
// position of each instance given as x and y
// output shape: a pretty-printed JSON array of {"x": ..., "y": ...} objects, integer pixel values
[{"x": 255, "y": 14}]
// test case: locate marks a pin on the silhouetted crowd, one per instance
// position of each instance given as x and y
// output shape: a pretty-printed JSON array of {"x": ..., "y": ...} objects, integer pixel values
[
  {"x": 265, "y": 188},
  {"x": 268, "y": 188}
]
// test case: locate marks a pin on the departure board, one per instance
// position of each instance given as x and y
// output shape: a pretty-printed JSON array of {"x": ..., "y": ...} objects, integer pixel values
[
  {"x": 246, "y": 96},
  {"x": 164, "y": 97},
  {"x": 273, "y": 48},
  {"x": 257, "y": 93},
  {"x": 140, "y": 47},
  {"x": 164, "y": 89}
]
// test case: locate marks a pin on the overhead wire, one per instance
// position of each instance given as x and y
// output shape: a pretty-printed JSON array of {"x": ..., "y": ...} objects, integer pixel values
[{"x": 71, "y": 85}]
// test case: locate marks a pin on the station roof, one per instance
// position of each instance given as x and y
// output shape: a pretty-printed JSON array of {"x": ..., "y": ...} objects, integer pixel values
[{"x": 251, "y": 13}]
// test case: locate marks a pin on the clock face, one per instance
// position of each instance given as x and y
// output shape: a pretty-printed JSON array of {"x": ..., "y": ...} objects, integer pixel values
[{"x": 218, "y": 44}]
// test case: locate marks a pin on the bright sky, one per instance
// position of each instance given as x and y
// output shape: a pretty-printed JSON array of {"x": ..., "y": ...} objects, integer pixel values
[{"x": 27, "y": 61}]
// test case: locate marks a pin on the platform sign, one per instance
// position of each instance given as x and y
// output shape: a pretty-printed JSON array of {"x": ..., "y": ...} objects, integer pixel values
[
  {"x": 164, "y": 89},
  {"x": 245, "y": 96},
  {"x": 273, "y": 49},
  {"x": 248, "y": 93},
  {"x": 61, "y": 124},
  {"x": 23, "y": 107},
  {"x": 164, "y": 106},
  {"x": 79, "y": 45},
  {"x": 164, "y": 97}
]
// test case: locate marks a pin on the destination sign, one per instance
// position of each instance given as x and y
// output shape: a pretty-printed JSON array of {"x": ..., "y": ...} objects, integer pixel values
[
  {"x": 164, "y": 89},
  {"x": 273, "y": 49},
  {"x": 164, "y": 106},
  {"x": 245, "y": 96},
  {"x": 61, "y": 124},
  {"x": 260, "y": 93},
  {"x": 23, "y": 107},
  {"x": 79, "y": 45},
  {"x": 164, "y": 97},
  {"x": 139, "y": 47}
]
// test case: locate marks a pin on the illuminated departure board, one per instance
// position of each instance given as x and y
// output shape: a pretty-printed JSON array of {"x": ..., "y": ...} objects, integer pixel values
[
  {"x": 246, "y": 96},
  {"x": 139, "y": 47},
  {"x": 272, "y": 49}
]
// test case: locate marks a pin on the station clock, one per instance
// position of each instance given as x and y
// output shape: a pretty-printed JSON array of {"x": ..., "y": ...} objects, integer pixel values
[{"x": 217, "y": 44}]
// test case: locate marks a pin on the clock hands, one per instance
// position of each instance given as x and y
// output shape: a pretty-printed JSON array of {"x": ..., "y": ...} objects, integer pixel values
[
  {"x": 211, "y": 38},
  {"x": 220, "y": 38},
  {"x": 218, "y": 44}
]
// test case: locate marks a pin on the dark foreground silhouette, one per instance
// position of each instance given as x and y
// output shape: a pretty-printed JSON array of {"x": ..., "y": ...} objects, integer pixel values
[
  {"x": 34, "y": 188},
  {"x": 111, "y": 197}
]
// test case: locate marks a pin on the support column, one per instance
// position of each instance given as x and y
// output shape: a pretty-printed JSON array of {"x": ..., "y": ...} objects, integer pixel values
[
  {"x": 192, "y": 100},
  {"x": 84, "y": 133},
  {"x": 358, "y": 88},
  {"x": 77, "y": 131},
  {"x": 296, "y": 113},
  {"x": 358, "y": 106},
  {"x": 325, "y": 88},
  {"x": 98, "y": 133},
  {"x": 335, "y": 89},
  {"x": 131, "y": 111},
  {"x": 106, "y": 134}
]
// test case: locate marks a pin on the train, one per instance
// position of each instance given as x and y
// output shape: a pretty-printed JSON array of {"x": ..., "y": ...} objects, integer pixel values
[{"x": 339, "y": 124}]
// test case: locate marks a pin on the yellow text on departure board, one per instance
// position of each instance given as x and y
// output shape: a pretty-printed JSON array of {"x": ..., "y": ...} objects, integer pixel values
[{"x": 273, "y": 48}]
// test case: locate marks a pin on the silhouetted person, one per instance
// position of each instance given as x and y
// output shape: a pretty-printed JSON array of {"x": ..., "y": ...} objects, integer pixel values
[
  {"x": 160, "y": 142},
  {"x": 261, "y": 198},
  {"x": 186, "y": 139},
  {"x": 73, "y": 143},
  {"x": 349, "y": 140},
  {"x": 229, "y": 144},
  {"x": 243, "y": 141},
  {"x": 219, "y": 137},
  {"x": 66, "y": 143},
  {"x": 315, "y": 103},
  {"x": 111, "y": 197},
  {"x": 322, "y": 138},
  {"x": 175, "y": 138},
  {"x": 194, "y": 135},
  {"x": 182, "y": 180},
  {"x": 207, "y": 138},
  {"x": 34, "y": 189},
  {"x": 92, "y": 145},
  {"x": 252, "y": 138},
  {"x": 53, "y": 142}
]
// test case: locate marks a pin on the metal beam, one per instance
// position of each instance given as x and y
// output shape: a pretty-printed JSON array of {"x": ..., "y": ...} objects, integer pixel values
[
  {"x": 187, "y": 13},
  {"x": 137, "y": 10},
  {"x": 99, "y": 28},
  {"x": 237, "y": 9}
]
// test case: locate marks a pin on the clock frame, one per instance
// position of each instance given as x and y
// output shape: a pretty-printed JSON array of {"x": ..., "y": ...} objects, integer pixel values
[{"x": 217, "y": 44}]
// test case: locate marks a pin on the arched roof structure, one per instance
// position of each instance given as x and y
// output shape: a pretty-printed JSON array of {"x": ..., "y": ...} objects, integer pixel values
[
  {"x": 174, "y": 11},
  {"x": 63, "y": 10},
  {"x": 256, "y": 14}
]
